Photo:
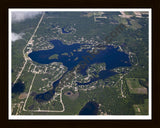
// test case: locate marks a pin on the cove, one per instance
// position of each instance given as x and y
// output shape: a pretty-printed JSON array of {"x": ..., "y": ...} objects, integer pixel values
[
  {"x": 102, "y": 75},
  {"x": 91, "y": 108}
]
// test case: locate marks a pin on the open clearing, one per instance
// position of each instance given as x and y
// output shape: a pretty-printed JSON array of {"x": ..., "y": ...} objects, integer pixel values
[
  {"x": 141, "y": 109},
  {"x": 135, "y": 87}
]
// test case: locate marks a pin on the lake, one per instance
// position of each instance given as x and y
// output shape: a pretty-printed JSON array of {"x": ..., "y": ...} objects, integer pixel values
[
  {"x": 91, "y": 108},
  {"x": 64, "y": 31},
  {"x": 72, "y": 57},
  {"x": 111, "y": 56},
  {"x": 18, "y": 87}
]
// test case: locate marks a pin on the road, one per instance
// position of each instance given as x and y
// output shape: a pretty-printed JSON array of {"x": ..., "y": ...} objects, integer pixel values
[
  {"x": 121, "y": 76},
  {"x": 61, "y": 91},
  {"x": 51, "y": 110},
  {"x": 25, "y": 58},
  {"x": 29, "y": 92}
]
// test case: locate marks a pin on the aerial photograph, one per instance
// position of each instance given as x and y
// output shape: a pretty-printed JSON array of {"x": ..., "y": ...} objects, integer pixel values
[{"x": 79, "y": 62}]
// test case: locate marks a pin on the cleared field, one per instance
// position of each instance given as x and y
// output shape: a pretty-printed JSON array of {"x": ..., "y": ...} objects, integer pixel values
[
  {"x": 135, "y": 87},
  {"x": 141, "y": 109},
  {"x": 22, "y": 95}
]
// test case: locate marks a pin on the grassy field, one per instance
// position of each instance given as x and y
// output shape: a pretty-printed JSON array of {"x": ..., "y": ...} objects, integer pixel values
[
  {"x": 141, "y": 109},
  {"x": 135, "y": 87}
]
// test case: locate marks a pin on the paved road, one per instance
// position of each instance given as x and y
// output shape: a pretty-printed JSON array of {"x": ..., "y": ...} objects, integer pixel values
[
  {"x": 25, "y": 58},
  {"x": 29, "y": 92}
]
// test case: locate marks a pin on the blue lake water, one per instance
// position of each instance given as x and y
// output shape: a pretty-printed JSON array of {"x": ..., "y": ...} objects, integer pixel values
[
  {"x": 91, "y": 108},
  {"x": 18, "y": 87},
  {"x": 111, "y": 56},
  {"x": 45, "y": 96},
  {"x": 102, "y": 75},
  {"x": 42, "y": 97},
  {"x": 64, "y": 31}
]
